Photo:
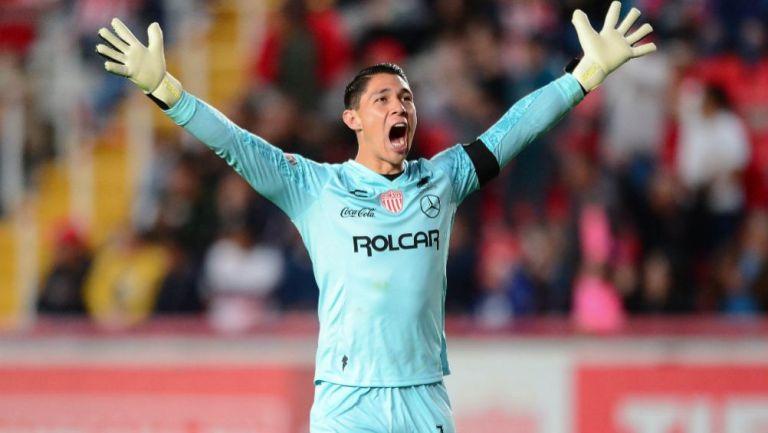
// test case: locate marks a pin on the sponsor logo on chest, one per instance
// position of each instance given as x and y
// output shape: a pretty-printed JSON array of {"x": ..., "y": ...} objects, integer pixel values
[
  {"x": 365, "y": 212},
  {"x": 430, "y": 205},
  {"x": 390, "y": 242}
]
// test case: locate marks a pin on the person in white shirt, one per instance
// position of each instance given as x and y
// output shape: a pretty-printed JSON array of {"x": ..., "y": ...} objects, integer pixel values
[{"x": 713, "y": 152}]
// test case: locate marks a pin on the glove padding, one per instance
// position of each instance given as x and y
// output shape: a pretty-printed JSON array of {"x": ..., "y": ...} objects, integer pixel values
[
  {"x": 609, "y": 49},
  {"x": 144, "y": 66}
]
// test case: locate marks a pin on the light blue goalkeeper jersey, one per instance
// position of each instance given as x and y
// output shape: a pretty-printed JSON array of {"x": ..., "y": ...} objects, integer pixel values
[{"x": 379, "y": 247}]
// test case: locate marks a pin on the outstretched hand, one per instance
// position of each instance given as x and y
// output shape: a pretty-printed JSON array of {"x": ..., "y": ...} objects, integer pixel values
[
  {"x": 609, "y": 49},
  {"x": 143, "y": 65}
]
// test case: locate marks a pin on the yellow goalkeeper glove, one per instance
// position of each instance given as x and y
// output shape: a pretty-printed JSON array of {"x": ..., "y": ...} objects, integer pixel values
[
  {"x": 144, "y": 66},
  {"x": 609, "y": 49}
]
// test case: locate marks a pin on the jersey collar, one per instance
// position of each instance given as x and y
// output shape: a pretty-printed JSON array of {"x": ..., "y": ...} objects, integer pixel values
[{"x": 373, "y": 177}]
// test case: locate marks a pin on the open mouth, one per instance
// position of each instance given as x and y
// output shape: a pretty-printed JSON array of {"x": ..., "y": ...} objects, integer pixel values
[{"x": 398, "y": 136}]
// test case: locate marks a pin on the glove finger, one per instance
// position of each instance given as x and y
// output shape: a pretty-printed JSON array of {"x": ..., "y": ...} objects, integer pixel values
[
  {"x": 630, "y": 19},
  {"x": 117, "y": 68},
  {"x": 112, "y": 39},
  {"x": 123, "y": 32},
  {"x": 642, "y": 50},
  {"x": 584, "y": 29},
  {"x": 155, "y": 34},
  {"x": 640, "y": 33},
  {"x": 110, "y": 53},
  {"x": 612, "y": 17}
]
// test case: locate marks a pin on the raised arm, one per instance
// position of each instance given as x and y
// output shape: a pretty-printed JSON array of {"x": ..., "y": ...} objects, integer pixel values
[
  {"x": 539, "y": 111},
  {"x": 530, "y": 117},
  {"x": 289, "y": 181}
]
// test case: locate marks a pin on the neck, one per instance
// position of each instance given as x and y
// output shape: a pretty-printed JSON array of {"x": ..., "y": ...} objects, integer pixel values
[{"x": 378, "y": 165}]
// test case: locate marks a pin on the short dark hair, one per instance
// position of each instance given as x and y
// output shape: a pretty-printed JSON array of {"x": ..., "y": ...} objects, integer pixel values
[{"x": 356, "y": 87}]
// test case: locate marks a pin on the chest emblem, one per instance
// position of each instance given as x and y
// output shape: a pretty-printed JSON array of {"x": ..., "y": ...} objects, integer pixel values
[
  {"x": 392, "y": 201},
  {"x": 430, "y": 205}
]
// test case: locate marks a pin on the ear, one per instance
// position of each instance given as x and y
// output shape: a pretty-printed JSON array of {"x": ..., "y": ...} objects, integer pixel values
[{"x": 351, "y": 120}]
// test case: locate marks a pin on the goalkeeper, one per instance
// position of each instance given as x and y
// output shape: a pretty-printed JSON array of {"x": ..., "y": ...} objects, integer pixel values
[{"x": 377, "y": 227}]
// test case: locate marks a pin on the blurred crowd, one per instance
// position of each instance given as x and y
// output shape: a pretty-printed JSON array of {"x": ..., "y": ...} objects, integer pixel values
[{"x": 649, "y": 198}]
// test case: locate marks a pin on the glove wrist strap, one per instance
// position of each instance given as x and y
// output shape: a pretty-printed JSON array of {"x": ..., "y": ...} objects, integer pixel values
[
  {"x": 589, "y": 74},
  {"x": 167, "y": 93}
]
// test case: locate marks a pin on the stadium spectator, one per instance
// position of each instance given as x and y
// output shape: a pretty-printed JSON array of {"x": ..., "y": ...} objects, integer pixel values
[
  {"x": 122, "y": 285},
  {"x": 596, "y": 302},
  {"x": 733, "y": 287},
  {"x": 298, "y": 289},
  {"x": 531, "y": 286},
  {"x": 154, "y": 182},
  {"x": 186, "y": 213},
  {"x": 742, "y": 270},
  {"x": 17, "y": 27},
  {"x": 664, "y": 231},
  {"x": 179, "y": 291},
  {"x": 713, "y": 153},
  {"x": 305, "y": 51},
  {"x": 634, "y": 116},
  {"x": 657, "y": 287},
  {"x": 62, "y": 289},
  {"x": 240, "y": 275},
  {"x": 240, "y": 271},
  {"x": 461, "y": 269},
  {"x": 498, "y": 258}
]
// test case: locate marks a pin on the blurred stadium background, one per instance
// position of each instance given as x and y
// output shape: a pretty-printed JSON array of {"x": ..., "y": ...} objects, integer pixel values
[{"x": 613, "y": 279}]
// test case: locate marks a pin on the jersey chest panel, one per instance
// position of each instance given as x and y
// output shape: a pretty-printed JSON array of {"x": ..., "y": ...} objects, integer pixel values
[{"x": 382, "y": 243}]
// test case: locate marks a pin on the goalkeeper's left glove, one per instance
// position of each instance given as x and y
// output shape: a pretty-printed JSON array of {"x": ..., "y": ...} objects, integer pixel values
[
  {"x": 144, "y": 66},
  {"x": 609, "y": 49}
]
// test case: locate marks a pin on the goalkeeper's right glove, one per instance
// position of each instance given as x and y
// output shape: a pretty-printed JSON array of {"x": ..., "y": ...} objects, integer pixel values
[
  {"x": 609, "y": 49},
  {"x": 144, "y": 66}
]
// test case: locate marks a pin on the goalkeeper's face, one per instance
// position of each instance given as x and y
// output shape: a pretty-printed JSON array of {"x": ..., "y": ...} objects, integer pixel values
[{"x": 384, "y": 122}]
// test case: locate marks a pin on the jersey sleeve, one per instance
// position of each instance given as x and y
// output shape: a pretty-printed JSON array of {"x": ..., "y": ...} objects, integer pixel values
[
  {"x": 290, "y": 181},
  {"x": 471, "y": 166},
  {"x": 456, "y": 163},
  {"x": 530, "y": 117}
]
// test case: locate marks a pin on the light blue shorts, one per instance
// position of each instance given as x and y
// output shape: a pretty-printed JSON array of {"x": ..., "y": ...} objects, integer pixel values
[{"x": 408, "y": 409}]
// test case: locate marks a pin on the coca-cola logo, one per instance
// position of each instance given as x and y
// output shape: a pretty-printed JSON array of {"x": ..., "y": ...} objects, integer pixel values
[{"x": 366, "y": 212}]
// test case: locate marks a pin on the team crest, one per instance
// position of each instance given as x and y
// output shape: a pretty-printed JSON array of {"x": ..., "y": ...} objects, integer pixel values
[{"x": 392, "y": 201}]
